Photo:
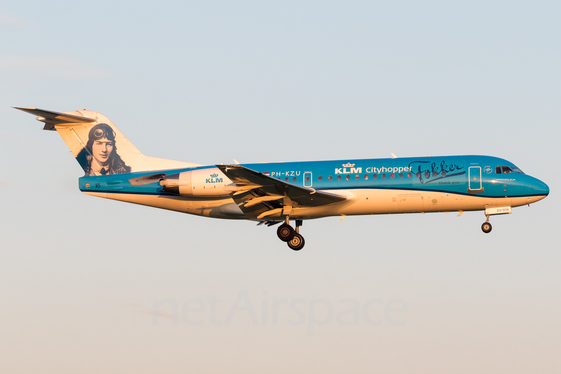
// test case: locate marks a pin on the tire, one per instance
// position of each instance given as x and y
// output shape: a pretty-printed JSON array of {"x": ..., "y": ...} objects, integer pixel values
[
  {"x": 297, "y": 243},
  {"x": 285, "y": 232},
  {"x": 486, "y": 227}
]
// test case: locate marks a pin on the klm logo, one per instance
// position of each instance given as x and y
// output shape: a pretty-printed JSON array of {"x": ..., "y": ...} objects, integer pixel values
[
  {"x": 213, "y": 179},
  {"x": 348, "y": 169}
]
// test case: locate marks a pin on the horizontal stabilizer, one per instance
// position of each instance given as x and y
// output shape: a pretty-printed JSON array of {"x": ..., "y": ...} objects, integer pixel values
[{"x": 55, "y": 118}]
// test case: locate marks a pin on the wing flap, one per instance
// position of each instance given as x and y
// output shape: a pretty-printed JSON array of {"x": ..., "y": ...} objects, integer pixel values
[{"x": 260, "y": 195}]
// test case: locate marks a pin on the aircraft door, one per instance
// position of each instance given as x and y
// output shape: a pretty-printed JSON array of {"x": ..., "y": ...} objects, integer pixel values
[
  {"x": 308, "y": 179},
  {"x": 475, "y": 183}
]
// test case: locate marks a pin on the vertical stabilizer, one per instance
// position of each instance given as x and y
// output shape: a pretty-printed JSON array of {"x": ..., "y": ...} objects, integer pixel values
[{"x": 98, "y": 145}]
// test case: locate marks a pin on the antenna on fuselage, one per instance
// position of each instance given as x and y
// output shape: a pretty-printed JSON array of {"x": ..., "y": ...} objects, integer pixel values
[{"x": 393, "y": 156}]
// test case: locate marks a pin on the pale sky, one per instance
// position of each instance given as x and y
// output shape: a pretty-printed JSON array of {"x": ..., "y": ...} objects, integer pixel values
[{"x": 90, "y": 285}]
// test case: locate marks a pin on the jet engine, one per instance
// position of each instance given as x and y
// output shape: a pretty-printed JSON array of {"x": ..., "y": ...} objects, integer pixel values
[{"x": 201, "y": 183}]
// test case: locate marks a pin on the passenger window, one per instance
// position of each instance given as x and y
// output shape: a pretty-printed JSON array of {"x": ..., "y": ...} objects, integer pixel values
[
  {"x": 330, "y": 178},
  {"x": 383, "y": 176},
  {"x": 286, "y": 179},
  {"x": 443, "y": 174},
  {"x": 375, "y": 176},
  {"x": 307, "y": 179},
  {"x": 320, "y": 178},
  {"x": 348, "y": 177},
  {"x": 338, "y": 177},
  {"x": 294, "y": 179},
  {"x": 400, "y": 175},
  {"x": 392, "y": 175},
  {"x": 408, "y": 175},
  {"x": 365, "y": 177},
  {"x": 357, "y": 177},
  {"x": 498, "y": 170}
]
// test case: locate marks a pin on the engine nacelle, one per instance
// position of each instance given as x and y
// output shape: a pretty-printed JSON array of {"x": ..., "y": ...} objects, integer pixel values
[{"x": 202, "y": 183}]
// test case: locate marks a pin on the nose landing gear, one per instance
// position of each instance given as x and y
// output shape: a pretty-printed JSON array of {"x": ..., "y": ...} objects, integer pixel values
[
  {"x": 286, "y": 233},
  {"x": 486, "y": 226}
]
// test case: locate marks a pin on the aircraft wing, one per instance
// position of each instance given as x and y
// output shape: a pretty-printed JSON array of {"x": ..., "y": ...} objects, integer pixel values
[{"x": 260, "y": 196}]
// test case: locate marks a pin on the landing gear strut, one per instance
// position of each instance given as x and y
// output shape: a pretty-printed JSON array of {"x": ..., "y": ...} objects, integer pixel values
[
  {"x": 486, "y": 226},
  {"x": 286, "y": 233}
]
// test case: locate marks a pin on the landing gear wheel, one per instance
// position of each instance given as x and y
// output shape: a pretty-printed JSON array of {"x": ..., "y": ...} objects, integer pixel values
[
  {"x": 297, "y": 242},
  {"x": 486, "y": 227},
  {"x": 285, "y": 232}
]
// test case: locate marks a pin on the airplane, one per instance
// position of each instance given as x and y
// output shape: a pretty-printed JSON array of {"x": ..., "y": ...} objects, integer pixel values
[{"x": 280, "y": 192}]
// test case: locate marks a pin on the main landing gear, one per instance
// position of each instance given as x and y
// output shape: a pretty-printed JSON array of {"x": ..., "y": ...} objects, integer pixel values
[
  {"x": 292, "y": 237},
  {"x": 486, "y": 226}
]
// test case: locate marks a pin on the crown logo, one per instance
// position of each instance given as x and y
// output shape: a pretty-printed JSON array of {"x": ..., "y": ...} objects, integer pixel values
[
  {"x": 349, "y": 165},
  {"x": 213, "y": 175}
]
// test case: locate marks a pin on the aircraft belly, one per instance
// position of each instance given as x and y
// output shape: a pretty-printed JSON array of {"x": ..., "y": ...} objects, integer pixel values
[
  {"x": 215, "y": 208},
  {"x": 315, "y": 212},
  {"x": 447, "y": 202},
  {"x": 373, "y": 201},
  {"x": 363, "y": 202}
]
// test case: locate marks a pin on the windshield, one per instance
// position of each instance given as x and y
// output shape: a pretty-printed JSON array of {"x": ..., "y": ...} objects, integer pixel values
[{"x": 507, "y": 169}]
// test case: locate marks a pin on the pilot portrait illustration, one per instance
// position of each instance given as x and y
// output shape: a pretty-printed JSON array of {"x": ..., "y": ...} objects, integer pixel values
[{"x": 99, "y": 156}]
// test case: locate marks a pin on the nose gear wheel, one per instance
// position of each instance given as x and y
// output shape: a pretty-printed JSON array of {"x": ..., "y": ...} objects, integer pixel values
[{"x": 486, "y": 227}]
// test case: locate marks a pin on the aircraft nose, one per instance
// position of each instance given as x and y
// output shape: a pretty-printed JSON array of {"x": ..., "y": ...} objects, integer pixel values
[{"x": 541, "y": 188}]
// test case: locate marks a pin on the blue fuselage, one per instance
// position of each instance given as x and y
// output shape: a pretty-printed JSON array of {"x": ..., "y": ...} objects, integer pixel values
[{"x": 480, "y": 176}]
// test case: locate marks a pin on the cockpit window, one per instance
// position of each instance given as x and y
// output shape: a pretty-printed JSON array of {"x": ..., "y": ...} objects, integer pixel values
[{"x": 507, "y": 169}]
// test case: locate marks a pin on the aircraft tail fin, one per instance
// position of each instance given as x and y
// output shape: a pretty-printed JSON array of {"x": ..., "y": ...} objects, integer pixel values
[{"x": 98, "y": 145}]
